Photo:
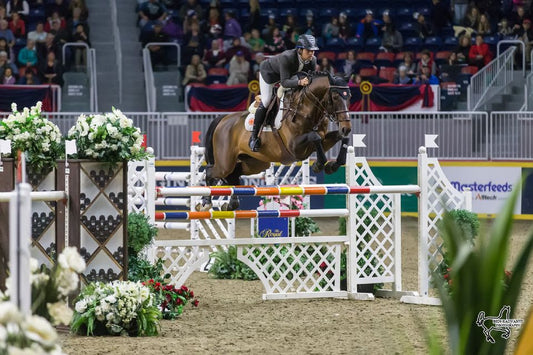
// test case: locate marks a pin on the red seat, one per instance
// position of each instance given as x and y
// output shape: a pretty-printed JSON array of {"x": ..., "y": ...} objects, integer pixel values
[
  {"x": 445, "y": 84},
  {"x": 366, "y": 57},
  {"x": 330, "y": 55},
  {"x": 366, "y": 72},
  {"x": 443, "y": 55},
  {"x": 469, "y": 70},
  {"x": 387, "y": 73},
  {"x": 217, "y": 71},
  {"x": 342, "y": 55},
  {"x": 386, "y": 56}
]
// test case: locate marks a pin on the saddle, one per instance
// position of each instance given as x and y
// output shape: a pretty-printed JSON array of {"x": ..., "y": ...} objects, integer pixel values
[{"x": 274, "y": 114}]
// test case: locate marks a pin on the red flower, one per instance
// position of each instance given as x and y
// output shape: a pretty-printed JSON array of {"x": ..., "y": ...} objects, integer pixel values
[
  {"x": 446, "y": 276},
  {"x": 184, "y": 288},
  {"x": 151, "y": 281},
  {"x": 191, "y": 294},
  {"x": 178, "y": 301},
  {"x": 195, "y": 303},
  {"x": 323, "y": 265}
]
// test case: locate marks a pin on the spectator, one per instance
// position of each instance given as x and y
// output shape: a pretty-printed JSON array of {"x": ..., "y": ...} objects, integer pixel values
[
  {"x": 5, "y": 63},
  {"x": 20, "y": 6},
  {"x": 61, "y": 35},
  {"x": 51, "y": 71},
  {"x": 392, "y": 39},
  {"x": 291, "y": 39},
  {"x": 239, "y": 68},
  {"x": 157, "y": 53},
  {"x": 213, "y": 18},
  {"x": 309, "y": 28},
  {"x": 28, "y": 55},
  {"x": 80, "y": 55},
  {"x": 49, "y": 24},
  {"x": 402, "y": 77},
  {"x": 463, "y": 50},
  {"x": 525, "y": 35},
  {"x": 195, "y": 72},
  {"x": 254, "y": 19},
  {"x": 504, "y": 29},
  {"x": 236, "y": 47},
  {"x": 3, "y": 13},
  {"x": 290, "y": 24},
  {"x": 49, "y": 45},
  {"x": 331, "y": 29},
  {"x": 276, "y": 44},
  {"x": 479, "y": 53},
  {"x": 76, "y": 20},
  {"x": 350, "y": 64},
  {"x": 386, "y": 20},
  {"x": 6, "y": 48},
  {"x": 7, "y": 77},
  {"x": 269, "y": 27},
  {"x": 450, "y": 70},
  {"x": 470, "y": 23},
  {"x": 215, "y": 34},
  {"x": 172, "y": 29},
  {"x": 256, "y": 42},
  {"x": 426, "y": 77},
  {"x": 460, "y": 7},
  {"x": 518, "y": 17},
  {"x": 29, "y": 78},
  {"x": 426, "y": 60},
  {"x": 367, "y": 28},
  {"x": 6, "y": 33},
  {"x": 355, "y": 79},
  {"x": 79, "y": 4},
  {"x": 409, "y": 63},
  {"x": 215, "y": 57},
  {"x": 191, "y": 5},
  {"x": 58, "y": 6},
  {"x": 232, "y": 28},
  {"x": 325, "y": 66},
  {"x": 38, "y": 35},
  {"x": 440, "y": 16},
  {"x": 483, "y": 27},
  {"x": 259, "y": 58},
  {"x": 191, "y": 19},
  {"x": 345, "y": 30},
  {"x": 172, "y": 4},
  {"x": 17, "y": 26},
  {"x": 152, "y": 10},
  {"x": 194, "y": 43},
  {"x": 421, "y": 26}
]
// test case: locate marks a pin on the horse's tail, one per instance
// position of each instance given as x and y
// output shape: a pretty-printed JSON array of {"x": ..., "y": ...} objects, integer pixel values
[{"x": 208, "y": 142}]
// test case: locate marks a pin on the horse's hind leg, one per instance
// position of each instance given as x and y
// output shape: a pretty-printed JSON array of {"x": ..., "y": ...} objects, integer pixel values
[
  {"x": 209, "y": 181},
  {"x": 234, "y": 179}
]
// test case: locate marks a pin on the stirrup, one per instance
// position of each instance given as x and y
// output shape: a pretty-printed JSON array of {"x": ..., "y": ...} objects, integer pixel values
[{"x": 254, "y": 143}]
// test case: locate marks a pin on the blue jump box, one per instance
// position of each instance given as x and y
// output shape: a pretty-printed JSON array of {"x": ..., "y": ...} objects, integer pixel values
[{"x": 273, "y": 227}]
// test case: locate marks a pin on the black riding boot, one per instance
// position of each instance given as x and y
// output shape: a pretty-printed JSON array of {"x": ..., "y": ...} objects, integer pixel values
[{"x": 255, "y": 141}]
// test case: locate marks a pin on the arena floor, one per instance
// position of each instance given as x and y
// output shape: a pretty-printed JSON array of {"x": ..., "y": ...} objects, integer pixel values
[{"x": 233, "y": 318}]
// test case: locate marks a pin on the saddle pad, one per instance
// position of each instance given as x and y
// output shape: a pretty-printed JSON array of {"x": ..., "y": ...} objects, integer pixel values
[{"x": 249, "y": 121}]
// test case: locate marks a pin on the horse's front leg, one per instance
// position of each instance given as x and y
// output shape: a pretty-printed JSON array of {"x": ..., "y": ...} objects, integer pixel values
[
  {"x": 329, "y": 141},
  {"x": 321, "y": 158}
]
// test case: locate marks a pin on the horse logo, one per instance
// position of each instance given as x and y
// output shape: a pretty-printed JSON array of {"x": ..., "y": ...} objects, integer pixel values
[{"x": 502, "y": 323}]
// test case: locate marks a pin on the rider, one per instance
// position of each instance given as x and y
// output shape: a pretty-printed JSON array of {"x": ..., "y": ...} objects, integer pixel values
[{"x": 282, "y": 68}]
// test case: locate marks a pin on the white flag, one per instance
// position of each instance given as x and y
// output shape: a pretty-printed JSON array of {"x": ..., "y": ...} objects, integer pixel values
[
  {"x": 358, "y": 140},
  {"x": 429, "y": 140},
  {"x": 5, "y": 146},
  {"x": 70, "y": 147}
]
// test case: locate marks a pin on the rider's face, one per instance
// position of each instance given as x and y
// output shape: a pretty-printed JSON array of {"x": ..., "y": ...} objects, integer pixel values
[{"x": 307, "y": 54}]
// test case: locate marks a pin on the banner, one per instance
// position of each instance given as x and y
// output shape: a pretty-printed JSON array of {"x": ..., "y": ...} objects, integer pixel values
[
  {"x": 219, "y": 97},
  {"x": 25, "y": 97}
]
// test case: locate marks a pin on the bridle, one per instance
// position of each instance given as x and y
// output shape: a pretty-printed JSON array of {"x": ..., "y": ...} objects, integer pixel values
[{"x": 343, "y": 91}]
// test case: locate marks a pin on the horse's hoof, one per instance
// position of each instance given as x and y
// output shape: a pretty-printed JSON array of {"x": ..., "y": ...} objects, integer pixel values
[
  {"x": 224, "y": 207},
  {"x": 317, "y": 167},
  {"x": 201, "y": 207},
  {"x": 233, "y": 205},
  {"x": 331, "y": 167}
]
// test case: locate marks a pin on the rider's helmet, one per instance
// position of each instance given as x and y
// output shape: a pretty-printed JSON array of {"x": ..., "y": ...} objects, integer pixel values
[{"x": 307, "y": 42}]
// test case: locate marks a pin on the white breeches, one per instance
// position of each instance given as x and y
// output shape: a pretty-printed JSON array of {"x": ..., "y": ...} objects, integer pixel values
[{"x": 266, "y": 91}]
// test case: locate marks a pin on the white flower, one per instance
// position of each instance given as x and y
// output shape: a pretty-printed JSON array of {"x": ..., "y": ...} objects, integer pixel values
[
  {"x": 39, "y": 279},
  {"x": 3, "y": 335},
  {"x": 12, "y": 350},
  {"x": 38, "y": 329},
  {"x": 34, "y": 265},
  {"x": 67, "y": 281},
  {"x": 71, "y": 259},
  {"x": 9, "y": 313},
  {"x": 14, "y": 107},
  {"x": 111, "y": 299},
  {"x": 60, "y": 312}
]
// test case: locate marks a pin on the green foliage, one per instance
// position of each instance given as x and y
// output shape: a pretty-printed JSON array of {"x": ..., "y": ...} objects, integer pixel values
[
  {"x": 140, "y": 269},
  {"x": 304, "y": 226},
  {"x": 140, "y": 232},
  {"x": 171, "y": 300},
  {"x": 227, "y": 266},
  {"x": 477, "y": 270}
]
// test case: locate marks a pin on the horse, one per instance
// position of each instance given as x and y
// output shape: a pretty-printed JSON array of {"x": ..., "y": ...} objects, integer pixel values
[{"x": 304, "y": 130}]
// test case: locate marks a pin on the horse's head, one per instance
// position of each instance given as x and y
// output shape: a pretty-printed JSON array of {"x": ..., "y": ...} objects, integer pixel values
[{"x": 331, "y": 95}]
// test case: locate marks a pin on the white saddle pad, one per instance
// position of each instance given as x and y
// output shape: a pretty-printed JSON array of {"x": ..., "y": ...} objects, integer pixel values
[{"x": 249, "y": 121}]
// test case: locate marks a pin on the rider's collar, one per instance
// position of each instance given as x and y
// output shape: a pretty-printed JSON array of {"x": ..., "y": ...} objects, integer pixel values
[{"x": 300, "y": 59}]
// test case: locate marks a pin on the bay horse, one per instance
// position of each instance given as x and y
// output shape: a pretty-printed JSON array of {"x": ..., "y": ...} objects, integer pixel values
[{"x": 304, "y": 130}]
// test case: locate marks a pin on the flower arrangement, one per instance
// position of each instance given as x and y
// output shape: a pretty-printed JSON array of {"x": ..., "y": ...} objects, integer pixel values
[
  {"x": 51, "y": 287},
  {"x": 110, "y": 137},
  {"x": 170, "y": 299},
  {"x": 25, "y": 335},
  {"x": 116, "y": 308},
  {"x": 30, "y": 132},
  {"x": 303, "y": 226}
]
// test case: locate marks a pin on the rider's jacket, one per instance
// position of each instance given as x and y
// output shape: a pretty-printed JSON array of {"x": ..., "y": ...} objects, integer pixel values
[{"x": 283, "y": 67}]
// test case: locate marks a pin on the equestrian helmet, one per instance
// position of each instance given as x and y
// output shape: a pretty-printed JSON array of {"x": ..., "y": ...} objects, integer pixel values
[{"x": 307, "y": 42}]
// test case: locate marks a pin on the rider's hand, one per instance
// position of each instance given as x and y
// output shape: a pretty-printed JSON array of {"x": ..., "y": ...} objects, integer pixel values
[{"x": 303, "y": 82}]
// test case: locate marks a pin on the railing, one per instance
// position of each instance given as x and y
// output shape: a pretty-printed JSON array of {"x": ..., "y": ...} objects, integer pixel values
[
  {"x": 118, "y": 46},
  {"x": 490, "y": 80},
  {"x": 151, "y": 98},
  {"x": 511, "y": 135},
  {"x": 90, "y": 56},
  {"x": 529, "y": 92},
  {"x": 516, "y": 42}
]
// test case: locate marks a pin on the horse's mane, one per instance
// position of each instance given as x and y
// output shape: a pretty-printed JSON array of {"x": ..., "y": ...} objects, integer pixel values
[{"x": 333, "y": 79}]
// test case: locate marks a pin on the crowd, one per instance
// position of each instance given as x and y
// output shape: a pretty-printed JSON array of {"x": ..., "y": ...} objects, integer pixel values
[{"x": 32, "y": 36}]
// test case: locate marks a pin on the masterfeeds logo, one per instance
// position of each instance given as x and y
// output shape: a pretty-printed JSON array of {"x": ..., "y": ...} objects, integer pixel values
[{"x": 484, "y": 191}]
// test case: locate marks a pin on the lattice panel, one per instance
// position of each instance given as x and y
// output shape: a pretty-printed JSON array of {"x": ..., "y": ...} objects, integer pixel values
[
  {"x": 375, "y": 230},
  {"x": 442, "y": 196},
  {"x": 295, "y": 268},
  {"x": 180, "y": 262},
  {"x": 137, "y": 187}
]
